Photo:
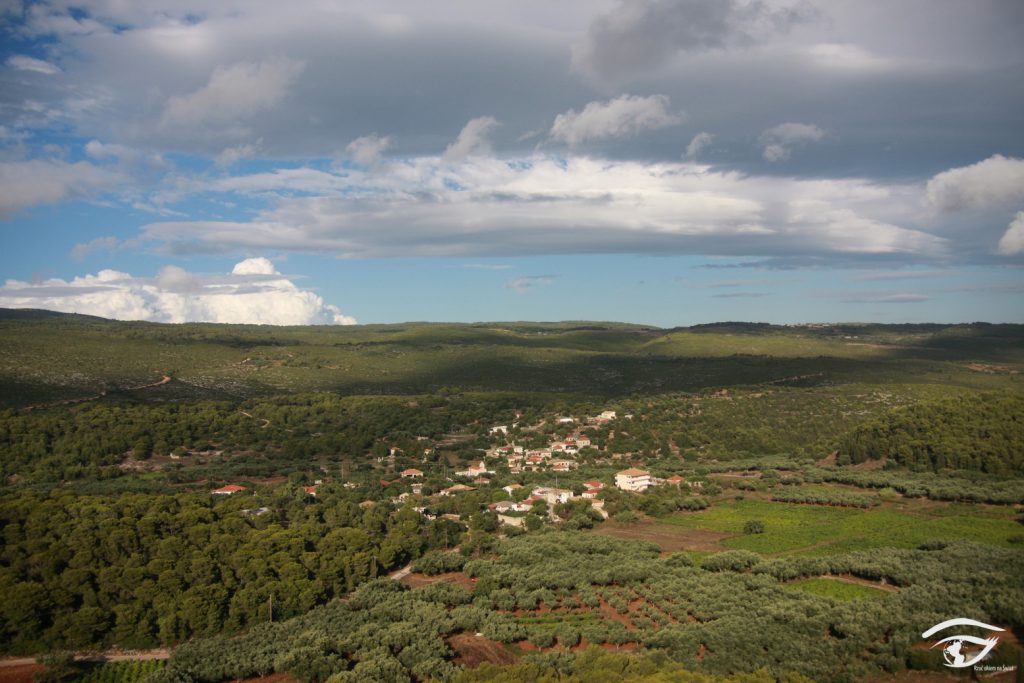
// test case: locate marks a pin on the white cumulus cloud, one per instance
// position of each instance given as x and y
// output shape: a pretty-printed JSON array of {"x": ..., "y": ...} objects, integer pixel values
[
  {"x": 777, "y": 143},
  {"x": 473, "y": 140},
  {"x": 254, "y": 293},
  {"x": 1013, "y": 241},
  {"x": 624, "y": 116},
  {"x": 990, "y": 182}
]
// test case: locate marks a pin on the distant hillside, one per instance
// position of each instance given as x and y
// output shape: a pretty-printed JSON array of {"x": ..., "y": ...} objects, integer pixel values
[{"x": 47, "y": 357}]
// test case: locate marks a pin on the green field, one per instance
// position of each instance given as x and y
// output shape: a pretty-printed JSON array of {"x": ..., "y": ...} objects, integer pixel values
[
  {"x": 837, "y": 590},
  {"x": 792, "y": 529}
]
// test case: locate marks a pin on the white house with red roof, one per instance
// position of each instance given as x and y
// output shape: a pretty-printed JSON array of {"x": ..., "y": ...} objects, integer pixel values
[{"x": 228, "y": 490}]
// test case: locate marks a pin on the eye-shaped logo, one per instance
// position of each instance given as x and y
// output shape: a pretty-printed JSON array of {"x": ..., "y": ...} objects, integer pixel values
[{"x": 953, "y": 646}]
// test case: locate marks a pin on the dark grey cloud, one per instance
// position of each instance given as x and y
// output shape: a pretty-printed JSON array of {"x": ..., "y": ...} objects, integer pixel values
[
  {"x": 639, "y": 35},
  {"x": 896, "y": 101},
  {"x": 258, "y": 82}
]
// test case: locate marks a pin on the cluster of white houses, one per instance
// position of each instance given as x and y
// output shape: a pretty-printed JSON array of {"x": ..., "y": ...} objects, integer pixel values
[{"x": 556, "y": 457}]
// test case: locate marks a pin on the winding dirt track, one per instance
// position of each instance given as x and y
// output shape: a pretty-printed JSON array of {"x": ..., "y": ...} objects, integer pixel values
[
  {"x": 72, "y": 401},
  {"x": 109, "y": 656}
]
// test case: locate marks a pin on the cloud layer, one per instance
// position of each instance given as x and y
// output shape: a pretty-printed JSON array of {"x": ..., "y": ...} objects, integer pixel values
[
  {"x": 546, "y": 204},
  {"x": 24, "y": 184},
  {"x": 639, "y": 35},
  {"x": 254, "y": 293}
]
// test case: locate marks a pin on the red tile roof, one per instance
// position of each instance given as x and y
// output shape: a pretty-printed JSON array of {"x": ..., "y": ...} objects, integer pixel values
[{"x": 230, "y": 488}]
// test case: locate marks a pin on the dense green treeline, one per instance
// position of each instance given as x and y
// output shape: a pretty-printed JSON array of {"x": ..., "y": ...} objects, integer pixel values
[
  {"x": 91, "y": 440},
  {"x": 951, "y": 485},
  {"x": 981, "y": 432},
  {"x": 727, "y": 617},
  {"x": 595, "y": 665},
  {"x": 141, "y": 570}
]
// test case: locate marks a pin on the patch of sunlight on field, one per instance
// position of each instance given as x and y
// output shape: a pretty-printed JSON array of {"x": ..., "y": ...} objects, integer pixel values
[{"x": 793, "y": 529}]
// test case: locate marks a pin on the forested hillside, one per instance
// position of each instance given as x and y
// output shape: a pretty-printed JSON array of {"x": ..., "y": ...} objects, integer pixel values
[
  {"x": 811, "y": 497},
  {"x": 981, "y": 432}
]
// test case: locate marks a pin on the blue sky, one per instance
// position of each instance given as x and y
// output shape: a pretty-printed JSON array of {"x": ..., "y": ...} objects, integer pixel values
[{"x": 666, "y": 162}]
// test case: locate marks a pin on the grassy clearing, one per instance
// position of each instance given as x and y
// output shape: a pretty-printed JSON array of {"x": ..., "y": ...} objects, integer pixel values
[
  {"x": 792, "y": 529},
  {"x": 837, "y": 590}
]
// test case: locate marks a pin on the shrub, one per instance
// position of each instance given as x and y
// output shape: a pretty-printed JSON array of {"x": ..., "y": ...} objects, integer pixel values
[
  {"x": 542, "y": 638},
  {"x": 753, "y": 526},
  {"x": 733, "y": 561},
  {"x": 439, "y": 562}
]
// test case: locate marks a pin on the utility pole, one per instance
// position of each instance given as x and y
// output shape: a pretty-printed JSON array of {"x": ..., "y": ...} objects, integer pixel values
[{"x": 271, "y": 607}]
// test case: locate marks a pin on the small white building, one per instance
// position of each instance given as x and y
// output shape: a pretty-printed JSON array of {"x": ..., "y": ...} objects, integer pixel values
[
  {"x": 553, "y": 496},
  {"x": 633, "y": 480},
  {"x": 476, "y": 469},
  {"x": 512, "y": 521},
  {"x": 500, "y": 429}
]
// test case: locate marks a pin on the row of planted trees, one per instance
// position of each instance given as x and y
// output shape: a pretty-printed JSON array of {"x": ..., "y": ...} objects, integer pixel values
[{"x": 733, "y": 614}]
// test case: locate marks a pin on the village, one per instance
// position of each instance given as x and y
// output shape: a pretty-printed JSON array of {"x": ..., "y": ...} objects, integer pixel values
[{"x": 505, "y": 480}]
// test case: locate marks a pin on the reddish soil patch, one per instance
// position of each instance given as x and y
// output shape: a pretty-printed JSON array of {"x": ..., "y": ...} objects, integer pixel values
[
  {"x": 416, "y": 580},
  {"x": 870, "y": 465},
  {"x": 668, "y": 538},
  {"x": 991, "y": 369},
  {"x": 21, "y": 673},
  {"x": 608, "y": 613},
  {"x": 472, "y": 650}
]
